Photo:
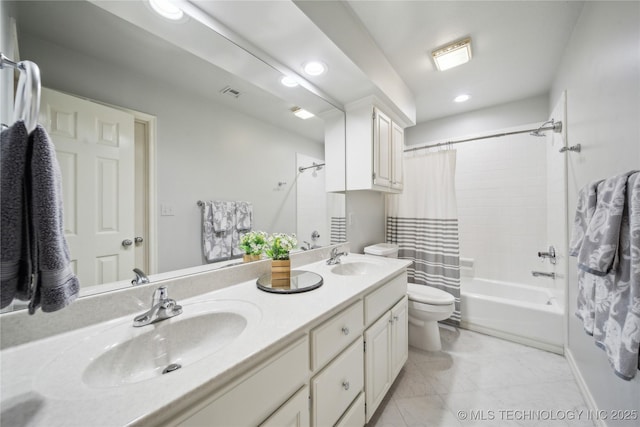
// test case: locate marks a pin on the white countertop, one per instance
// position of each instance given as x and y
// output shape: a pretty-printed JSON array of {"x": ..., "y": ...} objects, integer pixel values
[{"x": 34, "y": 391}]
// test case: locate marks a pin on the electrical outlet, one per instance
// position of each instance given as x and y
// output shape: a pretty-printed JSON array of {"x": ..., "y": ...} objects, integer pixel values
[{"x": 166, "y": 210}]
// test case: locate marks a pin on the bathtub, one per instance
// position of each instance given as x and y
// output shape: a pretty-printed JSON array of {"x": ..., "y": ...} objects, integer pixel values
[{"x": 521, "y": 313}]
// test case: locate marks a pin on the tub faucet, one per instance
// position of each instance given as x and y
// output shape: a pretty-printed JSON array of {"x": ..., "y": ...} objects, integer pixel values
[
  {"x": 140, "y": 278},
  {"x": 335, "y": 256},
  {"x": 162, "y": 307}
]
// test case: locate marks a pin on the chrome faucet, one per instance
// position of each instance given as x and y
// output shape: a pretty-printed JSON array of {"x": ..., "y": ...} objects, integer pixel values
[
  {"x": 162, "y": 307},
  {"x": 140, "y": 278},
  {"x": 335, "y": 256}
]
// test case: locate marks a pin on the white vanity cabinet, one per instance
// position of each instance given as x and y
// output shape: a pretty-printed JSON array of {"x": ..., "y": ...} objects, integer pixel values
[
  {"x": 386, "y": 348},
  {"x": 374, "y": 149},
  {"x": 337, "y": 360},
  {"x": 273, "y": 386}
]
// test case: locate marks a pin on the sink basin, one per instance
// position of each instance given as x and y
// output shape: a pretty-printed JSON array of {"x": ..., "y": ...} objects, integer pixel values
[
  {"x": 122, "y": 355},
  {"x": 357, "y": 268},
  {"x": 146, "y": 356}
]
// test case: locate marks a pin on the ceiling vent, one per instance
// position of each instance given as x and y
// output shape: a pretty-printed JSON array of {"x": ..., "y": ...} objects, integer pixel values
[{"x": 230, "y": 91}]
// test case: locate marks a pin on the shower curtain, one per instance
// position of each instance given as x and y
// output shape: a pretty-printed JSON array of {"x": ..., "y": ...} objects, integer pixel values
[{"x": 423, "y": 222}]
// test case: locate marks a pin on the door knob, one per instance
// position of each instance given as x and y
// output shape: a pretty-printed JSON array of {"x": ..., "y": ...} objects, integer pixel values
[
  {"x": 127, "y": 242},
  {"x": 138, "y": 240}
]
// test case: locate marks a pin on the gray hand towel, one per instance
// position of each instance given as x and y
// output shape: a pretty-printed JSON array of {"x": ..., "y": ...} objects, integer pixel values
[
  {"x": 600, "y": 243},
  {"x": 15, "y": 268},
  {"x": 56, "y": 285}
]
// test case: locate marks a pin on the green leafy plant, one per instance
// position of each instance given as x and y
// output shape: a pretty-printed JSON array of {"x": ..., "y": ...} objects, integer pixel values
[
  {"x": 279, "y": 245},
  {"x": 254, "y": 242}
]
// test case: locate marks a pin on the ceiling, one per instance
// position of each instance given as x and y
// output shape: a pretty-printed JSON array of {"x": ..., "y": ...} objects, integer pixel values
[{"x": 517, "y": 47}]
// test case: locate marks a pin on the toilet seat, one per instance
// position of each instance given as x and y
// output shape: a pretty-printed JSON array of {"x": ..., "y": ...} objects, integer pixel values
[{"x": 428, "y": 295}]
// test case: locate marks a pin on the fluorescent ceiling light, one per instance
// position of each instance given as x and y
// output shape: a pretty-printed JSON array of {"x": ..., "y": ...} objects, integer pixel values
[
  {"x": 289, "y": 81},
  {"x": 452, "y": 55},
  {"x": 315, "y": 68},
  {"x": 461, "y": 98},
  {"x": 301, "y": 113},
  {"x": 167, "y": 9}
]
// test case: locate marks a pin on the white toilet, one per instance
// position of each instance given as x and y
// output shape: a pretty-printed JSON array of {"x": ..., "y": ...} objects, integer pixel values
[{"x": 427, "y": 305}]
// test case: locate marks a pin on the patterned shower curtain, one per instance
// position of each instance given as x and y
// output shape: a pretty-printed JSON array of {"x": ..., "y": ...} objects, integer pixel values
[{"x": 423, "y": 222}]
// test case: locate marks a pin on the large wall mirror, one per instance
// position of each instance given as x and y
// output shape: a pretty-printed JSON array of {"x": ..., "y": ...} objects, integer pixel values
[{"x": 210, "y": 121}]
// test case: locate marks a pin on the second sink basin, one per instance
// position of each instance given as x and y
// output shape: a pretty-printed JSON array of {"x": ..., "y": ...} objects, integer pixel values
[{"x": 356, "y": 268}]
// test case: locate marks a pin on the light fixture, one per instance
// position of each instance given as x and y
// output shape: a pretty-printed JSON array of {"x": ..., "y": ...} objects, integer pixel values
[
  {"x": 453, "y": 54},
  {"x": 167, "y": 9},
  {"x": 315, "y": 68},
  {"x": 461, "y": 98},
  {"x": 302, "y": 113},
  {"x": 289, "y": 81}
]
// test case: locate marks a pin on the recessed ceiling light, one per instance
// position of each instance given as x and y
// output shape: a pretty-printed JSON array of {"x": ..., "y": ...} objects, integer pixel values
[
  {"x": 301, "y": 113},
  {"x": 461, "y": 98},
  {"x": 315, "y": 68},
  {"x": 289, "y": 81},
  {"x": 453, "y": 54},
  {"x": 167, "y": 9}
]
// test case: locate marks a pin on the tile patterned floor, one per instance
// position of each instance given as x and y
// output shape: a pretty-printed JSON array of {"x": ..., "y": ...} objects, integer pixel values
[{"x": 482, "y": 381}]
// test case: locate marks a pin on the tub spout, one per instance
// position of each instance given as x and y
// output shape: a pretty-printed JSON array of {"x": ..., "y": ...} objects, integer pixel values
[{"x": 542, "y": 274}]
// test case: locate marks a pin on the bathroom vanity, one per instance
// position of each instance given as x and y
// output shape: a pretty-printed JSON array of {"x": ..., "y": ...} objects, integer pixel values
[{"x": 245, "y": 356}]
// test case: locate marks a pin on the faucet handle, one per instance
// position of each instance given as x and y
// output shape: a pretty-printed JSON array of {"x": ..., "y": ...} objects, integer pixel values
[{"x": 159, "y": 295}]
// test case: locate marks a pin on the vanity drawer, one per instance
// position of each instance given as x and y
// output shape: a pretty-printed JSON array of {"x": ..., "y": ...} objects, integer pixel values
[
  {"x": 260, "y": 393},
  {"x": 354, "y": 417},
  {"x": 383, "y": 298},
  {"x": 334, "y": 388},
  {"x": 335, "y": 334}
]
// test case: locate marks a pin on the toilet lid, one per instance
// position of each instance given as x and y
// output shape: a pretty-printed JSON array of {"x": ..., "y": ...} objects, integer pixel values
[{"x": 429, "y": 295}]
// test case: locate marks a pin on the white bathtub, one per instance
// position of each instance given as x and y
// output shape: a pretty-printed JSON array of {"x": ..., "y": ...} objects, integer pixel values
[{"x": 520, "y": 313}]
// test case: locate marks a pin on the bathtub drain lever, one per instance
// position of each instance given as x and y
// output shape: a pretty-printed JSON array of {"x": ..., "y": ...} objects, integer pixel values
[{"x": 542, "y": 274}]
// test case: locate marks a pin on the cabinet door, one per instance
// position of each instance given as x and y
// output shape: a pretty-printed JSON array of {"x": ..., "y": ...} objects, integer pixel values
[
  {"x": 377, "y": 362},
  {"x": 399, "y": 337},
  {"x": 294, "y": 413},
  {"x": 381, "y": 149},
  {"x": 397, "y": 155}
]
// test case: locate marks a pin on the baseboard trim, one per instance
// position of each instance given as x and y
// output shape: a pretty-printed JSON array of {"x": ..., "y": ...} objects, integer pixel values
[{"x": 584, "y": 389}]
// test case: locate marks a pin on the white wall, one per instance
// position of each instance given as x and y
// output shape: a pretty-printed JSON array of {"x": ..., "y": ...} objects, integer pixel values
[
  {"x": 484, "y": 120},
  {"x": 205, "y": 150},
  {"x": 8, "y": 48},
  {"x": 365, "y": 219},
  {"x": 601, "y": 74}
]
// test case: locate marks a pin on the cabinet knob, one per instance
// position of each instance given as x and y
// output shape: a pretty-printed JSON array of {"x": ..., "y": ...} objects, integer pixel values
[
  {"x": 345, "y": 330},
  {"x": 127, "y": 242},
  {"x": 138, "y": 240},
  {"x": 345, "y": 385},
  {"x": 395, "y": 318}
]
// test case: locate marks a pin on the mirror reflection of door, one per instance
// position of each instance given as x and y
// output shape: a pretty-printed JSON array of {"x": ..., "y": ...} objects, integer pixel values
[{"x": 95, "y": 148}]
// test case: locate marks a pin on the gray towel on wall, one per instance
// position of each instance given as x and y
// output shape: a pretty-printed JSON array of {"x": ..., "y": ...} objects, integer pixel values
[
  {"x": 35, "y": 255},
  {"x": 600, "y": 244},
  {"x": 56, "y": 286},
  {"x": 609, "y": 279},
  {"x": 216, "y": 245},
  {"x": 243, "y": 225},
  {"x": 15, "y": 269}
]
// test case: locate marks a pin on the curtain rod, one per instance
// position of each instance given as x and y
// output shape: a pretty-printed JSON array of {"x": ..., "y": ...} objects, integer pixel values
[{"x": 554, "y": 126}]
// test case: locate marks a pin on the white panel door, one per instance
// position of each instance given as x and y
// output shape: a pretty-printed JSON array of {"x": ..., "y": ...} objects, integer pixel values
[
  {"x": 377, "y": 362},
  {"x": 399, "y": 337},
  {"x": 397, "y": 155},
  {"x": 95, "y": 148},
  {"x": 381, "y": 149}
]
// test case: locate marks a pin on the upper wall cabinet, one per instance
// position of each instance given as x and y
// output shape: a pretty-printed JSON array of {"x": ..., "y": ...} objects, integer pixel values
[{"x": 374, "y": 149}]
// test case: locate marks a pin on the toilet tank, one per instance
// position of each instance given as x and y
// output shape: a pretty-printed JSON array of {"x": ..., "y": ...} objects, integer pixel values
[{"x": 388, "y": 250}]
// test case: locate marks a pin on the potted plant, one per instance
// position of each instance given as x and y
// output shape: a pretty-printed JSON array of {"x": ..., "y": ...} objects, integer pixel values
[
  {"x": 278, "y": 247},
  {"x": 253, "y": 244}
]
